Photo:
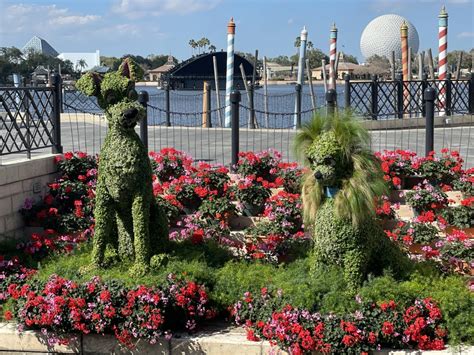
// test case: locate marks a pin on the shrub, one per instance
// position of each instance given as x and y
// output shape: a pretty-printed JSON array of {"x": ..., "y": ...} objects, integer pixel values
[
  {"x": 263, "y": 164},
  {"x": 426, "y": 197},
  {"x": 169, "y": 164}
]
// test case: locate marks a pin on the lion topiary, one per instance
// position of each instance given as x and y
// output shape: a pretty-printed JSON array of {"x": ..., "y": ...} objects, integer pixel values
[
  {"x": 338, "y": 196},
  {"x": 126, "y": 214}
]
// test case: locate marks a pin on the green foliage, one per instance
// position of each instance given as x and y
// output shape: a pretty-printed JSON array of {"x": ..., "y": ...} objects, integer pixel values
[
  {"x": 346, "y": 232},
  {"x": 126, "y": 214},
  {"x": 454, "y": 298},
  {"x": 459, "y": 216}
]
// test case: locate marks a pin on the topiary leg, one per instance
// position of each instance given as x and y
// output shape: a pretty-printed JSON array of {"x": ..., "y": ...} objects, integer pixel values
[
  {"x": 159, "y": 232},
  {"x": 355, "y": 264},
  {"x": 105, "y": 225},
  {"x": 125, "y": 232},
  {"x": 141, "y": 218}
]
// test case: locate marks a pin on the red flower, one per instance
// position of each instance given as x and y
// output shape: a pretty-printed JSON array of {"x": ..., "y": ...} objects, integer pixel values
[
  {"x": 387, "y": 328},
  {"x": 49, "y": 199},
  {"x": 68, "y": 155},
  {"x": 8, "y": 315}
]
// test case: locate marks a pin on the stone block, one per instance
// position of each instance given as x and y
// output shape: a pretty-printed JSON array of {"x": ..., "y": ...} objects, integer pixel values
[
  {"x": 6, "y": 206},
  {"x": 2, "y": 225},
  {"x": 13, "y": 222},
  {"x": 18, "y": 201},
  {"x": 454, "y": 197},
  {"x": 10, "y": 174},
  {"x": 10, "y": 189},
  {"x": 30, "y": 341},
  {"x": 405, "y": 212},
  {"x": 107, "y": 344}
]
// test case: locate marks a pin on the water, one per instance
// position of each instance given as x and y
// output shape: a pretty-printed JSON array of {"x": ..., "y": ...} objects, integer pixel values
[{"x": 186, "y": 106}]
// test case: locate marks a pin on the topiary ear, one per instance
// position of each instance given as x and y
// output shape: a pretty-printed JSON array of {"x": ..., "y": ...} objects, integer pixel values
[
  {"x": 130, "y": 69},
  {"x": 89, "y": 84}
]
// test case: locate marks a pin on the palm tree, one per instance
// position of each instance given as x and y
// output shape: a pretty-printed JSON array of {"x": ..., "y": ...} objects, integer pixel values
[
  {"x": 81, "y": 64},
  {"x": 212, "y": 48},
  {"x": 193, "y": 44}
]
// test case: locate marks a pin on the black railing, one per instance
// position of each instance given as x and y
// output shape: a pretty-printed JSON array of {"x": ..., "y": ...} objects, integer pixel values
[
  {"x": 193, "y": 122},
  {"x": 379, "y": 100},
  {"x": 30, "y": 118}
]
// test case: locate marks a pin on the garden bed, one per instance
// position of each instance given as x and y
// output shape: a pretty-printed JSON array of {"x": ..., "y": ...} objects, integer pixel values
[
  {"x": 218, "y": 256},
  {"x": 214, "y": 341}
]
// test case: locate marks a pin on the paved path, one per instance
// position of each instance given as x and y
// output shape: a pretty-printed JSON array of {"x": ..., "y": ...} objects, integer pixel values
[{"x": 214, "y": 144}]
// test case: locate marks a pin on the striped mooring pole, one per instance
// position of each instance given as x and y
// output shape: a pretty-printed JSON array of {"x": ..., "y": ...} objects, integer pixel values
[
  {"x": 332, "y": 57},
  {"x": 300, "y": 78},
  {"x": 442, "y": 58},
  {"x": 404, "y": 38},
  {"x": 229, "y": 81}
]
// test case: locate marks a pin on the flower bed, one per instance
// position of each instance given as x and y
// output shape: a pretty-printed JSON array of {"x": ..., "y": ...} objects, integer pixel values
[
  {"x": 370, "y": 327},
  {"x": 209, "y": 258}
]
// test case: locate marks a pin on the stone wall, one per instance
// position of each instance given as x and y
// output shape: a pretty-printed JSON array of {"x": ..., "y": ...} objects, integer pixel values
[{"x": 20, "y": 180}]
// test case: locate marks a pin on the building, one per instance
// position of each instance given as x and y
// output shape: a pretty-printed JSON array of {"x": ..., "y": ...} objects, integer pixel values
[
  {"x": 39, "y": 45},
  {"x": 343, "y": 68},
  {"x": 192, "y": 73},
  {"x": 89, "y": 60},
  {"x": 157, "y": 73}
]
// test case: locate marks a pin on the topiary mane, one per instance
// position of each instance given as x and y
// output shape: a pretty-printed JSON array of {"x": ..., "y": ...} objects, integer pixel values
[
  {"x": 336, "y": 149},
  {"x": 339, "y": 195}
]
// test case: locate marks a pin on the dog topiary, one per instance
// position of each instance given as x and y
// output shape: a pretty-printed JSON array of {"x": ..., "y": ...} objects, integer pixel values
[
  {"x": 338, "y": 196},
  {"x": 126, "y": 214}
]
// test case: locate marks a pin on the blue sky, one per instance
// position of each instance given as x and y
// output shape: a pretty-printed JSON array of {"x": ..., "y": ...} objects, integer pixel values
[{"x": 116, "y": 27}]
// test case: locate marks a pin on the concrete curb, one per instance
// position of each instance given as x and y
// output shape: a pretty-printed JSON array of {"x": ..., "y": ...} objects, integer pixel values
[{"x": 218, "y": 340}]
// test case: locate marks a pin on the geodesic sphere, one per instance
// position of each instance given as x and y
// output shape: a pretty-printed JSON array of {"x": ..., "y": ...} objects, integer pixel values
[{"x": 382, "y": 36}]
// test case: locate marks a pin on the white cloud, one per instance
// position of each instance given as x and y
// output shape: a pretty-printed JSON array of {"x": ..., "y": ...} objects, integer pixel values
[
  {"x": 142, "y": 8},
  {"x": 40, "y": 19},
  {"x": 73, "y": 19},
  {"x": 466, "y": 35}
]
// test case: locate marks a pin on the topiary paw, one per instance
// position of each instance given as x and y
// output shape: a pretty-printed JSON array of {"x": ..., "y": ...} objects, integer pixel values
[
  {"x": 159, "y": 260},
  {"x": 139, "y": 269}
]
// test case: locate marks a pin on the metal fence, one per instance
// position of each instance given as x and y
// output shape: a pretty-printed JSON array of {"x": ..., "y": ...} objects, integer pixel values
[
  {"x": 29, "y": 119},
  {"x": 177, "y": 118},
  {"x": 378, "y": 100}
]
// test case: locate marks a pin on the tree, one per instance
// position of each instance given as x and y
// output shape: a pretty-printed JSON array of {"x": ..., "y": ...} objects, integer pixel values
[
  {"x": 193, "y": 44},
  {"x": 81, "y": 64},
  {"x": 111, "y": 62},
  {"x": 212, "y": 48},
  {"x": 466, "y": 62},
  {"x": 378, "y": 61},
  {"x": 348, "y": 58}
]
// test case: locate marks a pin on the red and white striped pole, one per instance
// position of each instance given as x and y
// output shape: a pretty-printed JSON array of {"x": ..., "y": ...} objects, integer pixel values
[
  {"x": 404, "y": 38},
  {"x": 442, "y": 59},
  {"x": 332, "y": 57}
]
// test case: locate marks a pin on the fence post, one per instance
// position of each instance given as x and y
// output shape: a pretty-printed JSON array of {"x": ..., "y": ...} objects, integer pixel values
[
  {"x": 471, "y": 94},
  {"x": 167, "y": 105},
  {"x": 429, "y": 98},
  {"x": 234, "y": 103},
  {"x": 374, "y": 97},
  {"x": 347, "y": 91},
  {"x": 206, "y": 105},
  {"x": 331, "y": 99},
  {"x": 143, "y": 100},
  {"x": 251, "y": 107},
  {"x": 298, "y": 105},
  {"x": 399, "y": 80},
  {"x": 424, "y": 85},
  {"x": 448, "y": 84},
  {"x": 57, "y": 92}
]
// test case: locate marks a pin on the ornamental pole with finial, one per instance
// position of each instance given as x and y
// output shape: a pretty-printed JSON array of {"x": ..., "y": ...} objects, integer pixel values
[
  {"x": 442, "y": 58},
  {"x": 229, "y": 82},
  {"x": 404, "y": 38},
  {"x": 332, "y": 57},
  {"x": 301, "y": 63}
]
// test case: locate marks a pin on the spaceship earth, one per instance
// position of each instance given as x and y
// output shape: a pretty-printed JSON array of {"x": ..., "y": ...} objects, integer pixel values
[{"x": 382, "y": 36}]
